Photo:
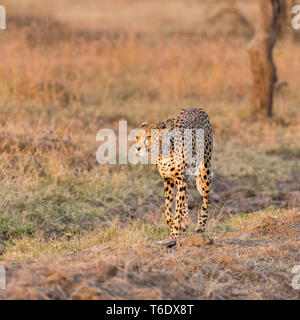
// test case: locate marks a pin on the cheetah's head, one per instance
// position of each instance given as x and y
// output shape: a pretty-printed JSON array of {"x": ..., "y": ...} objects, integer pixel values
[{"x": 148, "y": 138}]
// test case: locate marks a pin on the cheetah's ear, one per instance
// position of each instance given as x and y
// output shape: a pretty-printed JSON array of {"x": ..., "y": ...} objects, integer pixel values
[
  {"x": 144, "y": 124},
  {"x": 161, "y": 125}
]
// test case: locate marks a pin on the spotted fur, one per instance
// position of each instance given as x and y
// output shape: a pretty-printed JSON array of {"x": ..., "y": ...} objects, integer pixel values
[{"x": 177, "y": 166}]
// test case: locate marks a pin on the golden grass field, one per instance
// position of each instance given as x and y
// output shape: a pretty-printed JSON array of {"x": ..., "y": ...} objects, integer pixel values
[{"x": 73, "y": 229}]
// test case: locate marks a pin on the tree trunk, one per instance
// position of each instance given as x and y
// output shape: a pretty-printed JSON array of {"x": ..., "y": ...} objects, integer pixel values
[{"x": 261, "y": 58}]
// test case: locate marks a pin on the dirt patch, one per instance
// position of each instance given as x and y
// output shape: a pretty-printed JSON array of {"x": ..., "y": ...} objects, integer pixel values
[
  {"x": 231, "y": 196},
  {"x": 279, "y": 227},
  {"x": 245, "y": 195}
]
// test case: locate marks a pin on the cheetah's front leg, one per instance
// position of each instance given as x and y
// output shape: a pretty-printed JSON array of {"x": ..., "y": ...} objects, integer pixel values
[
  {"x": 169, "y": 195},
  {"x": 180, "y": 205}
]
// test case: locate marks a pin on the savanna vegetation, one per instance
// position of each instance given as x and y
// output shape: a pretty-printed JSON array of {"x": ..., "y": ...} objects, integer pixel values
[{"x": 71, "y": 228}]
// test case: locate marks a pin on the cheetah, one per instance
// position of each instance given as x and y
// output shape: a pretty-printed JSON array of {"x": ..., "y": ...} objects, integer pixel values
[{"x": 180, "y": 148}]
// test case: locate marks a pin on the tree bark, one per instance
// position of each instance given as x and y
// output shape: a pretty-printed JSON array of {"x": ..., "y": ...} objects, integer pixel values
[{"x": 261, "y": 58}]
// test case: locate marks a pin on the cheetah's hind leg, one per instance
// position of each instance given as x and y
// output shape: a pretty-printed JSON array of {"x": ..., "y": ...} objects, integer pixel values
[
  {"x": 198, "y": 178},
  {"x": 184, "y": 217},
  {"x": 203, "y": 178}
]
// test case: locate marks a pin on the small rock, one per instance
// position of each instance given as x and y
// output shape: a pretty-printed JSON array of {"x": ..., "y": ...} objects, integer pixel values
[
  {"x": 196, "y": 241},
  {"x": 166, "y": 243}
]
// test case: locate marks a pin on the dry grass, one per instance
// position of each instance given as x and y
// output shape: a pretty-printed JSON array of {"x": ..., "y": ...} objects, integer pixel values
[
  {"x": 64, "y": 77},
  {"x": 119, "y": 263}
]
